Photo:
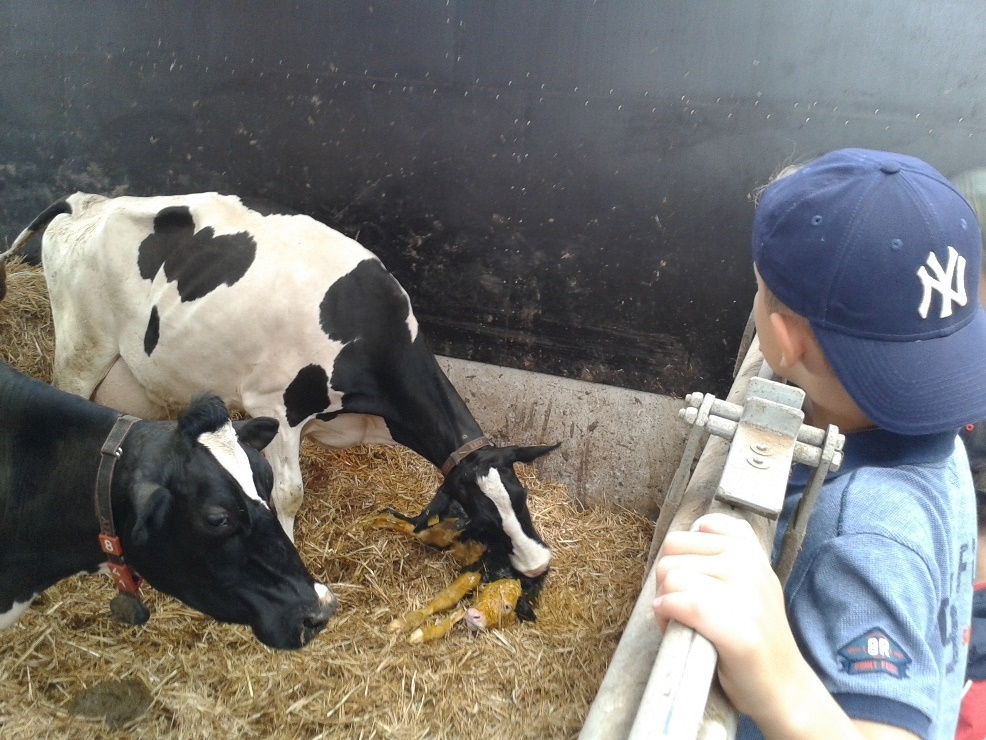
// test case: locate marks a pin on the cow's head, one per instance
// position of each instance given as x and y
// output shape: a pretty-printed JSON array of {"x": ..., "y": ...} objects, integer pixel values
[
  {"x": 198, "y": 526},
  {"x": 485, "y": 485}
]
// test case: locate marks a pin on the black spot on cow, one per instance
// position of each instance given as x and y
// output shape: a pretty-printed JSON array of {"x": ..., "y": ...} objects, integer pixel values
[
  {"x": 198, "y": 262},
  {"x": 153, "y": 332},
  {"x": 367, "y": 304},
  {"x": 368, "y": 311},
  {"x": 307, "y": 394},
  {"x": 328, "y": 415}
]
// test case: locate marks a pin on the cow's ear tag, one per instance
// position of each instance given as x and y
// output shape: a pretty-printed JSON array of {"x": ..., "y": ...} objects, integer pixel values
[{"x": 128, "y": 609}]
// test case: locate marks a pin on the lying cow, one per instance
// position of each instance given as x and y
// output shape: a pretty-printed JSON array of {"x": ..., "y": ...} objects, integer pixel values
[
  {"x": 185, "y": 501},
  {"x": 156, "y": 299}
]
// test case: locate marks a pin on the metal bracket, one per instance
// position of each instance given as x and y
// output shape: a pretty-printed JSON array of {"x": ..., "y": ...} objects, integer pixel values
[
  {"x": 761, "y": 440},
  {"x": 766, "y": 435},
  {"x": 762, "y": 448}
]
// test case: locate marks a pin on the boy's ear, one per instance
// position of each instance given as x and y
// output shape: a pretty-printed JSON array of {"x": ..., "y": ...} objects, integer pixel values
[{"x": 792, "y": 335}]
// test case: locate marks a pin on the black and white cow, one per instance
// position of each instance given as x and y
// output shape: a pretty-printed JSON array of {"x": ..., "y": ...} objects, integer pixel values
[
  {"x": 155, "y": 299},
  {"x": 188, "y": 506}
]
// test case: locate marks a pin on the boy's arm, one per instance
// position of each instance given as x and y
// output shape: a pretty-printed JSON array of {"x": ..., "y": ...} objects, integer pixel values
[{"x": 719, "y": 582}]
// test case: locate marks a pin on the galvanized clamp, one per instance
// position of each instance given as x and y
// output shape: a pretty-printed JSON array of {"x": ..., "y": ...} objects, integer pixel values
[{"x": 766, "y": 435}]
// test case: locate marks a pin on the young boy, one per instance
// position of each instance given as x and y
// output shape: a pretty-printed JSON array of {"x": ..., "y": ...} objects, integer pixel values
[{"x": 867, "y": 266}]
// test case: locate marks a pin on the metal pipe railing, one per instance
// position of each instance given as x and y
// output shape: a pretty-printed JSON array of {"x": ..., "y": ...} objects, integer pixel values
[{"x": 618, "y": 700}]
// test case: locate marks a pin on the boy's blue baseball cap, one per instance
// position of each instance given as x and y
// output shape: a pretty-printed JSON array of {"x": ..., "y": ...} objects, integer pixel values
[{"x": 881, "y": 254}]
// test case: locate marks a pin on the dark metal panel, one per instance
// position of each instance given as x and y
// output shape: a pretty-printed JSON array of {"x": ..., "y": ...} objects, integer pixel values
[{"x": 564, "y": 186}]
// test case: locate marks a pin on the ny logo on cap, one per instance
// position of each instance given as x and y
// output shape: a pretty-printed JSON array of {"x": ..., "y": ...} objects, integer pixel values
[{"x": 942, "y": 282}]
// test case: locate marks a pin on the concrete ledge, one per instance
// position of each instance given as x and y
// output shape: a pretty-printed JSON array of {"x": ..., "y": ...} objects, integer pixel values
[{"x": 619, "y": 448}]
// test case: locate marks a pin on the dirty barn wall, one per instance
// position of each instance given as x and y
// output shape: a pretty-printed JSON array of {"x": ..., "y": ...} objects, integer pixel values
[
  {"x": 562, "y": 187},
  {"x": 619, "y": 448}
]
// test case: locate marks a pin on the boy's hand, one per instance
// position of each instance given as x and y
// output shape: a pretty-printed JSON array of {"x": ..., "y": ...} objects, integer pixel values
[{"x": 717, "y": 580}]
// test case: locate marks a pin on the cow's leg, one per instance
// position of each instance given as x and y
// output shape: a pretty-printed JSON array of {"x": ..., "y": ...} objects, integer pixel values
[
  {"x": 102, "y": 376},
  {"x": 79, "y": 371},
  {"x": 120, "y": 390},
  {"x": 282, "y": 454},
  {"x": 93, "y": 369},
  {"x": 84, "y": 351}
]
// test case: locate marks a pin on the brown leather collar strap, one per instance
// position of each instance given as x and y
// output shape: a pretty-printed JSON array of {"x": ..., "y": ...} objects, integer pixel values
[
  {"x": 463, "y": 452},
  {"x": 109, "y": 543}
]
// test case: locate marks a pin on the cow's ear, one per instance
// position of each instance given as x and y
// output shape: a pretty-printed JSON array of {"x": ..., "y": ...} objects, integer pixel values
[
  {"x": 151, "y": 503},
  {"x": 530, "y": 454},
  {"x": 257, "y": 433}
]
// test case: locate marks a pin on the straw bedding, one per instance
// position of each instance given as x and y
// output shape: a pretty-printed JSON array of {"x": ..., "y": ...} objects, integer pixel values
[{"x": 203, "y": 679}]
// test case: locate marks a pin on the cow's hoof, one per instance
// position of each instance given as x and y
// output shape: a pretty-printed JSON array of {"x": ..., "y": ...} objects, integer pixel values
[{"x": 129, "y": 609}]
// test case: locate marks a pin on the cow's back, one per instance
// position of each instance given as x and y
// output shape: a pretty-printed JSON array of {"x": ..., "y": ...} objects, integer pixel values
[
  {"x": 26, "y": 402},
  {"x": 47, "y": 437},
  {"x": 194, "y": 292}
]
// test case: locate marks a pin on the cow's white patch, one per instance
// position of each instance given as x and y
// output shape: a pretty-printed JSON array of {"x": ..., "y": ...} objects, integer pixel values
[
  {"x": 14, "y": 613},
  {"x": 349, "y": 430},
  {"x": 529, "y": 556},
  {"x": 412, "y": 320},
  {"x": 225, "y": 447}
]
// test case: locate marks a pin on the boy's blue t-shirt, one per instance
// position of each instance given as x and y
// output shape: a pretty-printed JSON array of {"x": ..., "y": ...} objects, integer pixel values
[{"x": 881, "y": 593}]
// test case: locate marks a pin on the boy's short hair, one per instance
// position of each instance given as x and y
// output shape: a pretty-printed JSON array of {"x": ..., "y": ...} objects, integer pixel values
[{"x": 881, "y": 255}]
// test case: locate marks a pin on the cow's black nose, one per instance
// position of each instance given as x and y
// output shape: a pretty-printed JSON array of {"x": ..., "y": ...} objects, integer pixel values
[
  {"x": 314, "y": 625},
  {"x": 315, "y": 621}
]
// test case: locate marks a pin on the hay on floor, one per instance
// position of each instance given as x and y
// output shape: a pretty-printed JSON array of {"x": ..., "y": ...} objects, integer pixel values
[
  {"x": 27, "y": 336},
  {"x": 356, "y": 680}
]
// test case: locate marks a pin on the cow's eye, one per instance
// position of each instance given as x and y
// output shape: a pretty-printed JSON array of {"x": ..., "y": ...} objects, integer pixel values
[{"x": 217, "y": 520}]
